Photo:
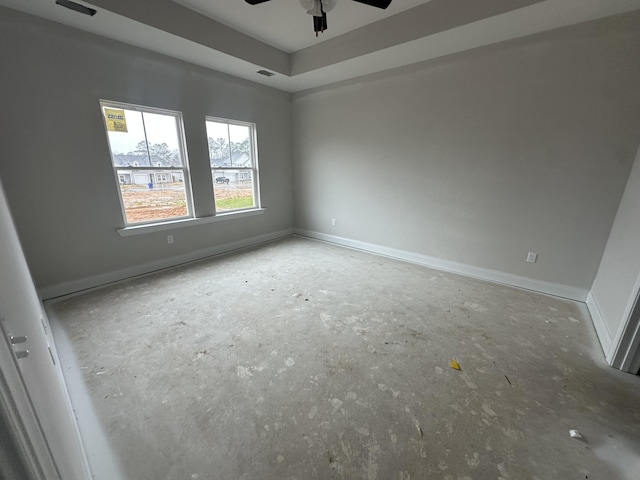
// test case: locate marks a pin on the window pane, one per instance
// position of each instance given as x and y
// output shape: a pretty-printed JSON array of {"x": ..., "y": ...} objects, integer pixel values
[
  {"x": 218, "y": 138},
  {"x": 233, "y": 189},
  {"x": 163, "y": 140},
  {"x": 128, "y": 147},
  {"x": 160, "y": 147},
  {"x": 150, "y": 195},
  {"x": 239, "y": 139},
  {"x": 147, "y": 155}
]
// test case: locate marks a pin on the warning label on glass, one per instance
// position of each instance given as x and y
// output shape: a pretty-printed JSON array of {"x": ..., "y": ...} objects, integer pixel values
[{"x": 116, "y": 121}]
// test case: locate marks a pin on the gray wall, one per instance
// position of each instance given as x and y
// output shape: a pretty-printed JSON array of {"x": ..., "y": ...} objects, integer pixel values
[
  {"x": 615, "y": 286},
  {"x": 480, "y": 157},
  {"x": 477, "y": 158},
  {"x": 55, "y": 161}
]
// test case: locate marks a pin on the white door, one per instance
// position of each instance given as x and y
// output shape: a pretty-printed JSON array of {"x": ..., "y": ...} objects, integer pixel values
[{"x": 33, "y": 380}]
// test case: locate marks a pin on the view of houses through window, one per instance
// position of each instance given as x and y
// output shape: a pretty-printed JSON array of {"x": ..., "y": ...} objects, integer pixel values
[
  {"x": 233, "y": 165},
  {"x": 147, "y": 154},
  {"x": 149, "y": 161}
]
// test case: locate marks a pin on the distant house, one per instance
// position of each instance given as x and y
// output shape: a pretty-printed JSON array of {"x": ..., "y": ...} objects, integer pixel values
[
  {"x": 130, "y": 176},
  {"x": 224, "y": 167}
]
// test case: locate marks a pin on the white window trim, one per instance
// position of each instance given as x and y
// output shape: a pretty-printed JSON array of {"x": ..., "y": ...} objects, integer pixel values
[
  {"x": 139, "y": 229},
  {"x": 255, "y": 174},
  {"x": 186, "y": 174}
]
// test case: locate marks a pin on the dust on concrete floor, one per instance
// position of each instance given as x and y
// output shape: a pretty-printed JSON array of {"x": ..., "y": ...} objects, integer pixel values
[{"x": 302, "y": 360}]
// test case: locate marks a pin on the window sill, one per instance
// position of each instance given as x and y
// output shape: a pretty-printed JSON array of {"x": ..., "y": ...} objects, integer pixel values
[{"x": 186, "y": 222}]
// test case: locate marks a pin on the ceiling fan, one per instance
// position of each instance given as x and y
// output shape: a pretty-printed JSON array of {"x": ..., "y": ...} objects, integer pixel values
[{"x": 319, "y": 8}]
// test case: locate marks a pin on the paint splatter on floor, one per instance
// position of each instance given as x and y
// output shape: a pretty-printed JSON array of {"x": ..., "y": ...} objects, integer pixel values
[{"x": 325, "y": 364}]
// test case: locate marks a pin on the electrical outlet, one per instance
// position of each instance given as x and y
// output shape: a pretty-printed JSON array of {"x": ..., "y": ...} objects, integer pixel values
[
  {"x": 169, "y": 239},
  {"x": 333, "y": 222},
  {"x": 532, "y": 257}
]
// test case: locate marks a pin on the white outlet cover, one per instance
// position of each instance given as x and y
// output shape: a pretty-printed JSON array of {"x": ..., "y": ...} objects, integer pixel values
[{"x": 532, "y": 257}]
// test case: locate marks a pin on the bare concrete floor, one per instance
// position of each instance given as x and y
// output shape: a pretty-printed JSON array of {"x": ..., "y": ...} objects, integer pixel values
[{"x": 301, "y": 360}]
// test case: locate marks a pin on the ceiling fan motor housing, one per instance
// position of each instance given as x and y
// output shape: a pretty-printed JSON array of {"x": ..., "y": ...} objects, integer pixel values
[{"x": 319, "y": 8}]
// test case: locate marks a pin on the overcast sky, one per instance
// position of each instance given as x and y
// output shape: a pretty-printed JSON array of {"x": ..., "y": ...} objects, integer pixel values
[
  {"x": 159, "y": 128},
  {"x": 163, "y": 129}
]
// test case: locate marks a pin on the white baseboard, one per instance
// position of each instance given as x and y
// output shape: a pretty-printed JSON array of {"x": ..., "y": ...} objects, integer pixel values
[
  {"x": 558, "y": 290},
  {"x": 564, "y": 291},
  {"x": 600, "y": 325},
  {"x": 73, "y": 286}
]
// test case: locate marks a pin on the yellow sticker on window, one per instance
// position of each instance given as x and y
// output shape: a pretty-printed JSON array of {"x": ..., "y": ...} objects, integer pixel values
[{"x": 116, "y": 121}]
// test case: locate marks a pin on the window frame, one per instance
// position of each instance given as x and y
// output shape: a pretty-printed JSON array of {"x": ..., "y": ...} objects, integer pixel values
[
  {"x": 255, "y": 175},
  {"x": 182, "y": 150}
]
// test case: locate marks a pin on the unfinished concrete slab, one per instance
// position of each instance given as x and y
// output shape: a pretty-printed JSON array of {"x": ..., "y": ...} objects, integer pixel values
[{"x": 302, "y": 360}]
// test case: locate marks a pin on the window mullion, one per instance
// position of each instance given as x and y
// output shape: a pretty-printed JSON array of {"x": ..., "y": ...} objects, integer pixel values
[
  {"x": 146, "y": 139},
  {"x": 229, "y": 144}
]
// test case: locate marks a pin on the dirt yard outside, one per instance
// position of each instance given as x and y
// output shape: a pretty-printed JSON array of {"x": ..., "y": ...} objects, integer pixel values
[{"x": 143, "y": 204}]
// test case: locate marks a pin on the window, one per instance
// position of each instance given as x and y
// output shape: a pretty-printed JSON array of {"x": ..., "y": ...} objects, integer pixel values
[
  {"x": 149, "y": 161},
  {"x": 234, "y": 170}
]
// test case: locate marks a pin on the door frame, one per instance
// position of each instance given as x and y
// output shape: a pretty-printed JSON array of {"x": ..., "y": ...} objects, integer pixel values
[
  {"x": 624, "y": 353},
  {"x": 28, "y": 427},
  {"x": 17, "y": 409}
]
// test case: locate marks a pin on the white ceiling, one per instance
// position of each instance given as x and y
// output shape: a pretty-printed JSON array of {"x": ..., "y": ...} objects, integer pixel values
[
  {"x": 239, "y": 39},
  {"x": 285, "y": 24}
]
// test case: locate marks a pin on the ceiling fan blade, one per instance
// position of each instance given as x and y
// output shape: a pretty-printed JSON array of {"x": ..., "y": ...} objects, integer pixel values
[
  {"x": 375, "y": 3},
  {"x": 255, "y": 2}
]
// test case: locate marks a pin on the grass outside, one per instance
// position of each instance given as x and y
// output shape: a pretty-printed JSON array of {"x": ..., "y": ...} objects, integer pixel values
[
  {"x": 234, "y": 196},
  {"x": 234, "y": 203}
]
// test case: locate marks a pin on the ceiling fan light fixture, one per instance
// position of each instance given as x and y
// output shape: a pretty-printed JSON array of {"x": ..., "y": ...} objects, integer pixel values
[
  {"x": 316, "y": 9},
  {"x": 327, "y": 5},
  {"x": 307, "y": 4}
]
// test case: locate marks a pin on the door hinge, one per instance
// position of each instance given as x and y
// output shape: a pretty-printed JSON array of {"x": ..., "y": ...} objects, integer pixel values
[{"x": 14, "y": 340}]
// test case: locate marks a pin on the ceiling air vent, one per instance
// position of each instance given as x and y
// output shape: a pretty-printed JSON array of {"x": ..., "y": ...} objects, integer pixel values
[
  {"x": 77, "y": 7},
  {"x": 266, "y": 73}
]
